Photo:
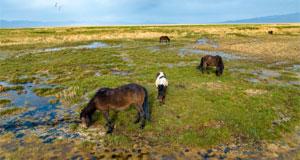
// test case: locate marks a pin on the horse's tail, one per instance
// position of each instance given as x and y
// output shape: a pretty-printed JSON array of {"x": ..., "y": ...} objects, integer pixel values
[
  {"x": 220, "y": 66},
  {"x": 220, "y": 63},
  {"x": 200, "y": 67},
  {"x": 145, "y": 106}
]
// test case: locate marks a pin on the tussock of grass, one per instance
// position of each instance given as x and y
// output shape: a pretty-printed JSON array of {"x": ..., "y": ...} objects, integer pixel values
[
  {"x": 5, "y": 88},
  {"x": 47, "y": 91},
  {"x": 4, "y": 102},
  {"x": 11, "y": 110},
  {"x": 16, "y": 80},
  {"x": 53, "y": 101},
  {"x": 73, "y": 126}
]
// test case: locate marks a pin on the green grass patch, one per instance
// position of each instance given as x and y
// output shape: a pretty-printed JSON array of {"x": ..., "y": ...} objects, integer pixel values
[
  {"x": 11, "y": 110},
  {"x": 54, "y": 101},
  {"x": 73, "y": 126},
  {"x": 4, "y": 102},
  {"x": 5, "y": 88},
  {"x": 47, "y": 91},
  {"x": 16, "y": 80}
]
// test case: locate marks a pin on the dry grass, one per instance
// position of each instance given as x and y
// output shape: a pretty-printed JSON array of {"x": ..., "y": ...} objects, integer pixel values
[
  {"x": 279, "y": 47},
  {"x": 75, "y": 34}
]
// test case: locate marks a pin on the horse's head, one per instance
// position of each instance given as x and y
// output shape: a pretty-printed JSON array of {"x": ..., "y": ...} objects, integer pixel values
[
  {"x": 161, "y": 93},
  {"x": 85, "y": 119}
]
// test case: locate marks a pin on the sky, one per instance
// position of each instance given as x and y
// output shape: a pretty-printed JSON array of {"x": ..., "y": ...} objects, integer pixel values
[{"x": 110, "y": 12}]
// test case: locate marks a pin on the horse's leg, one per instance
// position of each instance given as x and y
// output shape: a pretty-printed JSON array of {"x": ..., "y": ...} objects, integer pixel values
[
  {"x": 165, "y": 92},
  {"x": 217, "y": 73},
  {"x": 105, "y": 114},
  {"x": 138, "y": 118},
  {"x": 205, "y": 66},
  {"x": 142, "y": 114}
]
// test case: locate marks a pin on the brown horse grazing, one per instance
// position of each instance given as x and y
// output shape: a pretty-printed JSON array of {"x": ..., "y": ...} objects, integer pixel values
[
  {"x": 270, "y": 32},
  {"x": 164, "y": 39},
  {"x": 212, "y": 61},
  {"x": 117, "y": 99}
]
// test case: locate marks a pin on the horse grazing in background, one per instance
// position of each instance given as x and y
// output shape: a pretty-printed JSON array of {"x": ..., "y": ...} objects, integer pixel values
[
  {"x": 164, "y": 39},
  {"x": 209, "y": 60},
  {"x": 117, "y": 99},
  {"x": 270, "y": 32},
  {"x": 162, "y": 85}
]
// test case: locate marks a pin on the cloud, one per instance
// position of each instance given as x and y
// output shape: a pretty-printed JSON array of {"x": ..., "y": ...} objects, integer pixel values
[{"x": 143, "y": 11}]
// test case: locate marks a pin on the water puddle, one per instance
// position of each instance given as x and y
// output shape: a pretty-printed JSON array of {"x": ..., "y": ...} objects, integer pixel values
[
  {"x": 184, "y": 51},
  {"x": 97, "y": 74},
  {"x": 266, "y": 76},
  {"x": 253, "y": 80},
  {"x": 276, "y": 64},
  {"x": 203, "y": 41},
  {"x": 237, "y": 69},
  {"x": 116, "y": 71},
  {"x": 42, "y": 118},
  {"x": 89, "y": 46},
  {"x": 93, "y": 45},
  {"x": 296, "y": 67},
  {"x": 153, "y": 49}
]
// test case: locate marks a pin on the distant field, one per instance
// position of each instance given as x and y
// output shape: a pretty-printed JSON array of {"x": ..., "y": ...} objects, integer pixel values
[{"x": 256, "y": 103}]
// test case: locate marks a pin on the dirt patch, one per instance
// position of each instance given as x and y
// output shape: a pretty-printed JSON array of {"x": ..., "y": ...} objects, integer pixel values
[
  {"x": 253, "y": 92},
  {"x": 210, "y": 86}
]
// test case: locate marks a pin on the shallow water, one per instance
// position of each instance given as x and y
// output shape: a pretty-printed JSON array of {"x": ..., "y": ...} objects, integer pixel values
[
  {"x": 204, "y": 41},
  {"x": 88, "y": 46},
  {"x": 153, "y": 49},
  {"x": 41, "y": 118},
  {"x": 93, "y": 45},
  {"x": 183, "y": 51},
  {"x": 276, "y": 64},
  {"x": 296, "y": 67}
]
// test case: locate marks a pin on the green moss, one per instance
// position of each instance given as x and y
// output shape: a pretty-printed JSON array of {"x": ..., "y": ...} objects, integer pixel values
[
  {"x": 118, "y": 140},
  {"x": 4, "y": 102}
]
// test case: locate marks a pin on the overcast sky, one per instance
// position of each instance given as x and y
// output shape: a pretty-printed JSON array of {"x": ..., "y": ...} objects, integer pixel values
[{"x": 143, "y": 11}]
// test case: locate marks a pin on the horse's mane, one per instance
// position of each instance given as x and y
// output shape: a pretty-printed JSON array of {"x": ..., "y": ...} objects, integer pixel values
[{"x": 90, "y": 107}]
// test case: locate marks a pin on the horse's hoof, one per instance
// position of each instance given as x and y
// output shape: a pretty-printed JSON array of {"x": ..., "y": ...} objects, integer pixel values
[
  {"x": 108, "y": 132},
  {"x": 135, "y": 122},
  {"x": 141, "y": 127}
]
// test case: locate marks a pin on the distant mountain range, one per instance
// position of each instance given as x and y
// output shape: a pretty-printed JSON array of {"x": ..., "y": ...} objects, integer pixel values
[{"x": 287, "y": 18}]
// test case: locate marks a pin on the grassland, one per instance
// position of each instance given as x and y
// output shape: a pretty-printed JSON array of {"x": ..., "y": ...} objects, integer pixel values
[{"x": 201, "y": 111}]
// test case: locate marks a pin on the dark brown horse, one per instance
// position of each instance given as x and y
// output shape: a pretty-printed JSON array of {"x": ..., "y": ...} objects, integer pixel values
[
  {"x": 117, "y": 99},
  {"x": 270, "y": 32},
  {"x": 164, "y": 39},
  {"x": 212, "y": 61}
]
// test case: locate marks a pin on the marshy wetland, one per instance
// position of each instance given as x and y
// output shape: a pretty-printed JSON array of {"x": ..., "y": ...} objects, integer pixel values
[{"x": 47, "y": 75}]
